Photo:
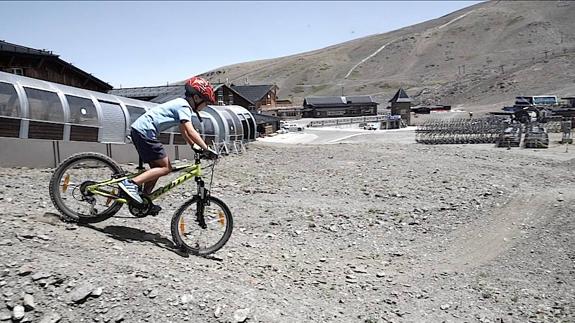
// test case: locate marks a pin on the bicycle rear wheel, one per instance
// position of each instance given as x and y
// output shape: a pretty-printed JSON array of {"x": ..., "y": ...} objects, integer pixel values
[
  {"x": 191, "y": 235},
  {"x": 68, "y": 188}
]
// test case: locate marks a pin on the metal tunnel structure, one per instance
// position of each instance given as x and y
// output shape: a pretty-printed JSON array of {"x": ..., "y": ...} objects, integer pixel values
[{"x": 42, "y": 123}]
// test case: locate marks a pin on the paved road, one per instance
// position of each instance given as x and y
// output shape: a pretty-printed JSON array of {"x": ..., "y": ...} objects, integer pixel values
[{"x": 344, "y": 135}]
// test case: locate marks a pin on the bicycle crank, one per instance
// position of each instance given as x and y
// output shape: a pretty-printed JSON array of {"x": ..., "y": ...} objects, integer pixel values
[{"x": 141, "y": 210}]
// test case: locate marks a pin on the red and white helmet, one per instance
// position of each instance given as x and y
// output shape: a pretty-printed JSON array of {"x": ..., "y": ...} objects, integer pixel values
[{"x": 201, "y": 87}]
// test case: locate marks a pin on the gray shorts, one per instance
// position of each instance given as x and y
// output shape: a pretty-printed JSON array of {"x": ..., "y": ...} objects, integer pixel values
[{"x": 148, "y": 149}]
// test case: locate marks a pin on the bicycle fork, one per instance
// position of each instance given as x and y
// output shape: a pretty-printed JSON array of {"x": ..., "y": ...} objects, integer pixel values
[{"x": 203, "y": 200}]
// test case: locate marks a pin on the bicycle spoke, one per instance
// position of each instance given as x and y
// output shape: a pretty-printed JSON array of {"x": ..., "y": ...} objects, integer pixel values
[
  {"x": 202, "y": 235},
  {"x": 72, "y": 187}
]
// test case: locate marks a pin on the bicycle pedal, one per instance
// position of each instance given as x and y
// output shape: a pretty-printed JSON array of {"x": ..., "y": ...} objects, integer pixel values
[{"x": 155, "y": 210}]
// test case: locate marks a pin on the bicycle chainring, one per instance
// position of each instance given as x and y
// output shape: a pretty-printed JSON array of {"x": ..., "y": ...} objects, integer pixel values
[{"x": 141, "y": 210}]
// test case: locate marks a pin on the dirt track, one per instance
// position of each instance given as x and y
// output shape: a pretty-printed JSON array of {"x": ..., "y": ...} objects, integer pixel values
[{"x": 351, "y": 232}]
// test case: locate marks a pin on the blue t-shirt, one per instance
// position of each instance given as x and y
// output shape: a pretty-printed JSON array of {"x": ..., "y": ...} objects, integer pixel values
[{"x": 162, "y": 117}]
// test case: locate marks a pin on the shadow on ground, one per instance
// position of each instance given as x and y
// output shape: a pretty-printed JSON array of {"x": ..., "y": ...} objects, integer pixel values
[{"x": 129, "y": 235}]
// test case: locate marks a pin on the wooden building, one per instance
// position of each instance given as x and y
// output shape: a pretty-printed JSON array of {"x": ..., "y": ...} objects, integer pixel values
[
  {"x": 255, "y": 98},
  {"x": 568, "y": 102},
  {"x": 266, "y": 124},
  {"x": 401, "y": 105},
  {"x": 44, "y": 65},
  {"x": 338, "y": 106},
  {"x": 285, "y": 112}
]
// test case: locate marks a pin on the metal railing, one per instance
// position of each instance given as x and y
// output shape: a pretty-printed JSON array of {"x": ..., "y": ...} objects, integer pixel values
[{"x": 460, "y": 131}]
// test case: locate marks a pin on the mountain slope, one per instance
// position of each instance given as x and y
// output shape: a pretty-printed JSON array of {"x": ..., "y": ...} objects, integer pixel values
[{"x": 478, "y": 58}]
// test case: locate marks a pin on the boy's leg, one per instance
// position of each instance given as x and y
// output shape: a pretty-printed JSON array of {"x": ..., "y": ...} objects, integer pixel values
[
  {"x": 165, "y": 165},
  {"x": 159, "y": 168},
  {"x": 149, "y": 150}
]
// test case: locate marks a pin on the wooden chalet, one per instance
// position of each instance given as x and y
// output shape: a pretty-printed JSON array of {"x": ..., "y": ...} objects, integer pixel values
[
  {"x": 252, "y": 97},
  {"x": 401, "y": 105},
  {"x": 338, "y": 106},
  {"x": 44, "y": 65}
]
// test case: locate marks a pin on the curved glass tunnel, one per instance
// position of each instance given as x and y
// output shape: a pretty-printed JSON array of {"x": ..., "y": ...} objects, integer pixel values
[{"x": 40, "y": 118}]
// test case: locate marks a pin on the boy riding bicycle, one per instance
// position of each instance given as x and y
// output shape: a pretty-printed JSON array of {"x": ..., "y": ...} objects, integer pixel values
[{"x": 146, "y": 129}]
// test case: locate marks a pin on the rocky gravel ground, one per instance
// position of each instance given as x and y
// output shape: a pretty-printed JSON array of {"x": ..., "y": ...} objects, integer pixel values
[{"x": 350, "y": 232}]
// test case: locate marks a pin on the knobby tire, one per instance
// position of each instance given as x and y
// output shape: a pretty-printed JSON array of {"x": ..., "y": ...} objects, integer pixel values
[
  {"x": 54, "y": 187},
  {"x": 210, "y": 249}
]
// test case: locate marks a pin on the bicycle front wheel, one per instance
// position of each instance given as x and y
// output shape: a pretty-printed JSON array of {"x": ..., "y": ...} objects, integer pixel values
[
  {"x": 202, "y": 228},
  {"x": 68, "y": 188}
]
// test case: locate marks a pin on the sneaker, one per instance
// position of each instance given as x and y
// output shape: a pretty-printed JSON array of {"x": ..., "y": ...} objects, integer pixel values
[{"x": 131, "y": 189}]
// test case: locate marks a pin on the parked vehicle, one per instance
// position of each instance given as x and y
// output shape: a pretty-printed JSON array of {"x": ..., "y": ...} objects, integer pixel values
[
  {"x": 510, "y": 137},
  {"x": 536, "y": 137},
  {"x": 368, "y": 126},
  {"x": 291, "y": 127}
]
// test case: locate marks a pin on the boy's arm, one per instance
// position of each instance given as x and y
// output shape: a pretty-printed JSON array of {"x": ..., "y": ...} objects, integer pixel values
[{"x": 191, "y": 135}]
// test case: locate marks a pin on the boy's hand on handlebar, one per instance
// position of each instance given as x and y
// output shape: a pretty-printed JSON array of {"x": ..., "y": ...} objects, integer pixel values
[
  {"x": 210, "y": 153},
  {"x": 197, "y": 149},
  {"x": 205, "y": 153}
]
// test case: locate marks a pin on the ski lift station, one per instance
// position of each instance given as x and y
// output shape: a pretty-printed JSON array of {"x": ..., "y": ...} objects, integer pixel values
[{"x": 42, "y": 123}]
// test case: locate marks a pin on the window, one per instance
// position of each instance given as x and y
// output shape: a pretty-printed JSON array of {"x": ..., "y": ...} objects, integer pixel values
[
  {"x": 135, "y": 112},
  {"x": 366, "y": 110},
  {"x": 17, "y": 71},
  {"x": 113, "y": 123},
  {"x": 545, "y": 100},
  {"x": 196, "y": 122},
  {"x": 44, "y": 105},
  {"x": 209, "y": 134},
  {"x": 9, "y": 103},
  {"x": 208, "y": 127},
  {"x": 82, "y": 111},
  {"x": 230, "y": 99},
  {"x": 220, "y": 97},
  {"x": 335, "y": 113}
]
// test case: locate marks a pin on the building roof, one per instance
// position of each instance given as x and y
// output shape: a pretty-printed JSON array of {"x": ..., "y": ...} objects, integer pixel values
[
  {"x": 148, "y": 91},
  {"x": 6, "y": 47},
  {"x": 14, "y": 48},
  {"x": 324, "y": 100},
  {"x": 360, "y": 99},
  {"x": 252, "y": 93},
  {"x": 400, "y": 96},
  {"x": 337, "y": 100},
  {"x": 157, "y": 94}
]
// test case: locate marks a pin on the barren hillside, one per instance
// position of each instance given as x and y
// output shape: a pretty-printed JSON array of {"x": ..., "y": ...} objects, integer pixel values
[{"x": 478, "y": 58}]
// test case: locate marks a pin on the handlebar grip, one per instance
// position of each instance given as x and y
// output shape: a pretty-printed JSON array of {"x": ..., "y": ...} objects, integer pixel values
[
  {"x": 205, "y": 153},
  {"x": 197, "y": 149}
]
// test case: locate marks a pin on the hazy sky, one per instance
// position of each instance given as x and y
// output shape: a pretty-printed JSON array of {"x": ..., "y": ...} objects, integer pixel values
[{"x": 131, "y": 43}]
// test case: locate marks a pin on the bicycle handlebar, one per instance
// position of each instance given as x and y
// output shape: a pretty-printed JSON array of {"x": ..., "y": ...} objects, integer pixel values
[{"x": 204, "y": 153}]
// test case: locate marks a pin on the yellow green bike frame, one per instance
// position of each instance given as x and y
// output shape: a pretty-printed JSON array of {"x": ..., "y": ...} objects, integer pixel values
[{"x": 190, "y": 171}]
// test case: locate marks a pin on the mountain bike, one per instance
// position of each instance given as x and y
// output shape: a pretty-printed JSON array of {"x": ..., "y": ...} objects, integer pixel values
[{"x": 84, "y": 188}]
